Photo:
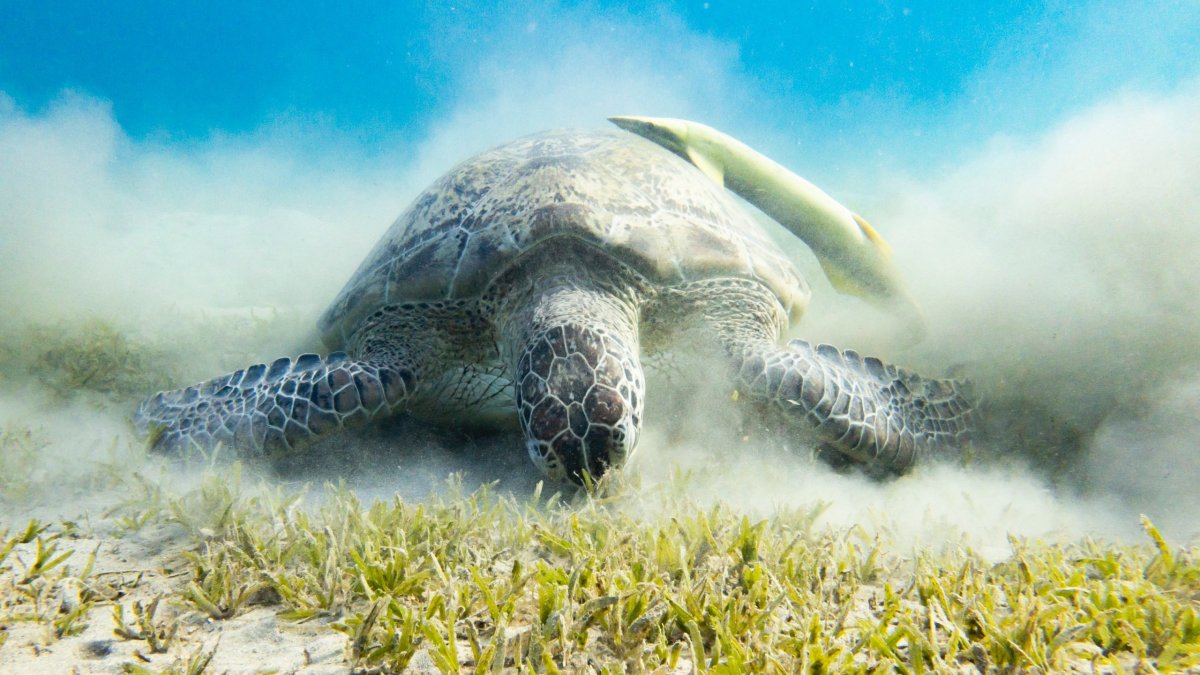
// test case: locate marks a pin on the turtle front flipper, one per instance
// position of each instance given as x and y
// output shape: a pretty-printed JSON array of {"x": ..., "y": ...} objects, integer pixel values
[
  {"x": 875, "y": 414},
  {"x": 274, "y": 408}
]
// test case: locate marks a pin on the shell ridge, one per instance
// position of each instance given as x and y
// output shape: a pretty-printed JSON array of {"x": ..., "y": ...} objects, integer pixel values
[
  {"x": 634, "y": 201},
  {"x": 518, "y": 163}
]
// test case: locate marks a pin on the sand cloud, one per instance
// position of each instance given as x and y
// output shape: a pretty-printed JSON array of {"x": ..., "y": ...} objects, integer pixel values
[
  {"x": 1057, "y": 269},
  {"x": 1061, "y": 271}
]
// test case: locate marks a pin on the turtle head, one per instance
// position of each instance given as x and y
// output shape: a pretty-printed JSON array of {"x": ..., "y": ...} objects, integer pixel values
[{"x": 579, "y": 391}]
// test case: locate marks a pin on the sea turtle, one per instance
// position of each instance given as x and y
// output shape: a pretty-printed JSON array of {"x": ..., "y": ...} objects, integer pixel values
[{"x": 538, "y": 274}]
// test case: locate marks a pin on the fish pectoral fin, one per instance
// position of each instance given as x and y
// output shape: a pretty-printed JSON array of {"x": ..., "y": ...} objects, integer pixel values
[
  {"x": 710, "y": 168},
  {"x": 873, "y": 236},
  {"x": 840, "y": 280}
]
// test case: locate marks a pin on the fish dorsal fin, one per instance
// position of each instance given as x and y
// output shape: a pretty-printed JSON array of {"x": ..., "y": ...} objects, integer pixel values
[{"x": 712, "y": 169}]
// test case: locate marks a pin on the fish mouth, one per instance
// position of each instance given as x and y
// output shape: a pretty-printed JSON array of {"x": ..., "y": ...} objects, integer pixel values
[{"x": 653, "y": 130}]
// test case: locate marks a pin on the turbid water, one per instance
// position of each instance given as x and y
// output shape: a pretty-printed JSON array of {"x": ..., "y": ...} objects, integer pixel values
[{"x": 1046, "y": 267}]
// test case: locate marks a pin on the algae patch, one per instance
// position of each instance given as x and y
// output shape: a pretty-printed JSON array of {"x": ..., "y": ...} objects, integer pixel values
[{"x": 90, "y": 357}]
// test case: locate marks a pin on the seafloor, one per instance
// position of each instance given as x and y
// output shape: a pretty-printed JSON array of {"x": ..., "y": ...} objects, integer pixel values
[{"x": 406, "y": 547}]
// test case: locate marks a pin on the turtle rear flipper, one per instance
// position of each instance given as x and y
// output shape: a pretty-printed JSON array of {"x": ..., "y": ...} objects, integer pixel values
[{"x": 273, "y": 408}]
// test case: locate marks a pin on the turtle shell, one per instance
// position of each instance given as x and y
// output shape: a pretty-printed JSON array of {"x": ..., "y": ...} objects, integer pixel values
[{"x": 625, "y": 195}]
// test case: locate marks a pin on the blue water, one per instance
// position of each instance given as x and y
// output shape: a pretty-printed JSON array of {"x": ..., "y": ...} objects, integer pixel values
[{"x": 926, "y": 69}]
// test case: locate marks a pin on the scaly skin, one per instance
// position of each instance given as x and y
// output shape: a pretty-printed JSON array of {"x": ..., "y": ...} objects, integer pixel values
[
  {"x": 579, "y": 385},
  {"x": 881, "y": 417},
  {"x": 276, "y": 408}
]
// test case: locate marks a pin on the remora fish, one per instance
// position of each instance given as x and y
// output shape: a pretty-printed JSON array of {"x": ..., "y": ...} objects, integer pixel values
[{"x": 854, "y": 257}]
